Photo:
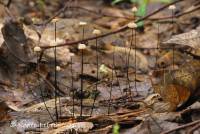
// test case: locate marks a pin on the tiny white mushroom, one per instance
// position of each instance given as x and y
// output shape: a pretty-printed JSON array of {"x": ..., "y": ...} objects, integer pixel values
[
  {"x": 134, "y": 9},
  {"x": 132, "y": 25},
  {"x": 81, "y": 46},
  {"x": 55, "y": 20},
  {"x": 82, "y": 23},
  {"x": 96, "y": 32},
  {"x": 58, "y": 68},
  {"x": 37, "y": 49},
  {"x": 172, "y": 7}
]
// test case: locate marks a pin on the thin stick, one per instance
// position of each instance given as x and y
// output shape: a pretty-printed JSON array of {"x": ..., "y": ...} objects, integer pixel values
[
  {"x": 113, "y": 32},
  {"x": 127, "y": 73},
  {"x": 82, "y": 65},
  {"x": 97, "y": 60},
  {"x": 191, "y": 131},
  {"x": 158, "y": 42},
  {"x": 181, "y": 127},
  {"x": 172, "y": 33},
  {"x": 135, "y": 63},
  {"x": 177, "y": 15},
  {"x": 55, "y": 76},
  {"x": 111, "y": 87},
  {"x": 42, "y": 96},
  {"x": 72, "y": 87}
]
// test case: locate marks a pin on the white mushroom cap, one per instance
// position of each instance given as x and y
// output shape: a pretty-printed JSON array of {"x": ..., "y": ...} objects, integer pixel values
[
  {"x": 37, "y": 49},
  {"x": 132, "y": 25},
  {"x": 82, "y": 23},
  {"x": 172, "y": 7},
  {"x": 81, "y": 46},
  {"x": 58, "y": 68},
  {"x": 134, "y": 9},
  {"x": 55, "y": 20},
  {"x": 96, "y": 32}
]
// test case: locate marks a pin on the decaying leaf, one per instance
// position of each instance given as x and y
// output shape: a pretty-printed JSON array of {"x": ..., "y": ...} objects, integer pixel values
[
  {"x": 121, "y": 55},
  {"x": 178, "y": 86},
  {"x": 41, "y": 106},
  {"x": 3, "y": 111},
  {"x": 167, "y": 59},
  {"x": 19, "y": 41},
  {"x": 105, "y": 71},
  {"x": 15, "y": 42},
  {"x": 151, "y": 99},
  {"x": 190, "y": 39}
]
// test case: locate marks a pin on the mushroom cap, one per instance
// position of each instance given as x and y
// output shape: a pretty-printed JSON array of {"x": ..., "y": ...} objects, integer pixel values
[
  {"x": 96, "y": 32},
  {"x": 132, "y": 25},
  {"x": 58, "y": 68},
  {"x": 172, "y": 7},
  {"x": 134, "y": 9},
  {"x": 81, "y": 46},
  {"x": 55, "y": 20},
  {"x": 37, "y": 49},
  {"x": 82, "y": 23}
]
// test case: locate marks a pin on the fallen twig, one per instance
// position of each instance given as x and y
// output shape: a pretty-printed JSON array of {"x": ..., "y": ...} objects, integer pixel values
[
  {"x": 191, "y": 131},
  {"x": 181, "y": 127},
  {"x": 177, "y": 15},
  {"x": 110, "y": 33}
]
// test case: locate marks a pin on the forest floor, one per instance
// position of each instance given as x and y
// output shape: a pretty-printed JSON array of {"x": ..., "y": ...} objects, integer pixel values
[{"x": 87, "y": 66}]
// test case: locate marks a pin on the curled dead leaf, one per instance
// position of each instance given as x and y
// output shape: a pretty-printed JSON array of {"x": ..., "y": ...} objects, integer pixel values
[
  {"x": 190, "y": 39},
  {"x": 178, "y": 86}
]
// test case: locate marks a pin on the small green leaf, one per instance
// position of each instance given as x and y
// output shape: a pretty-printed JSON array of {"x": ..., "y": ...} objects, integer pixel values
[
  {"x": 142, "y": 7},
  {"x": 142, "y": 11},
  {"x": 162, "y": 1},
  {"x": 116, "y": 1},
  {"x": 116, "y": 128}
]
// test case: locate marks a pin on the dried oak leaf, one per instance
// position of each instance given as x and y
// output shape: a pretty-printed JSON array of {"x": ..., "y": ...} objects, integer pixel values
[
  {"x": 178, "y": 86},
  {"x": 190, "y": 39}
]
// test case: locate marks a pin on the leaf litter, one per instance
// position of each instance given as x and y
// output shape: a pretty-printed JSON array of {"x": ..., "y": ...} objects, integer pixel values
[{"x": 156, "y": 98}]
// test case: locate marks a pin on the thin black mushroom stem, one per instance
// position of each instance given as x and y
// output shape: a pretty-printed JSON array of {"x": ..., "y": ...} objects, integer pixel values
[
  {"x": 96, "y": 32},
  {"x": 157, "y": 46},
  {"x": 58, "y": 69},
  {"x": 55, "y": 71},
  {"x": 134, "y": 10},
  {"x": 172, "y": 8},
  {"x": 133, "y": 26},
  {"x": 135, "y": 35},
  {"x": 111, "y": 86},
  {"x": 71, "y": 55},
  {"x": 37, "y": 50},
  {"x": 82, "y": 47}
]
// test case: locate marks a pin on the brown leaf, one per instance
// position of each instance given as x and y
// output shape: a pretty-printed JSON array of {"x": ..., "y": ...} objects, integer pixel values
[
  {"x": 190, "y": 39},
  {"x": 178, "y": 86},
  {"x": 3, "y": 111}
]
